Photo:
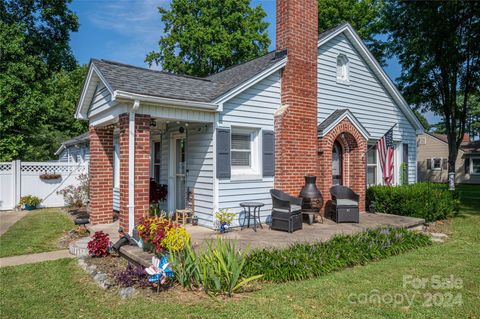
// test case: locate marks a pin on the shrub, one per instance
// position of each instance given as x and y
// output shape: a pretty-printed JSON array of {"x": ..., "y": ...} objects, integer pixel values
[
  {"x": 30, "y": 200},
  {"x": 77, "y": 196},
  {"x": 423, "y": 200},
  {"x": 303, "y": 261},
  {"x": 216, "y": 270},
  {"x": 99, "y": 245},
  {"x": 132, "y": 276},
  {"x": 176, "y": 238}
]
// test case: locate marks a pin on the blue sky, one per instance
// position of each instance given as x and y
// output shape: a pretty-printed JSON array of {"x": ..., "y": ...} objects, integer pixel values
[{"x": 126, "y": 30}]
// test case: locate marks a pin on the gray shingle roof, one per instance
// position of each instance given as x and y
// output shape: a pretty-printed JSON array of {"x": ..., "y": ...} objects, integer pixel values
[
  {"x": 144, "y": 81},
  {"x": 330, "y": 120}
]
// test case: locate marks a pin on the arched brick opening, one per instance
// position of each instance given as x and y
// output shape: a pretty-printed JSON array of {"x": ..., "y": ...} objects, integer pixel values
[{"x": 354, "y": 146}]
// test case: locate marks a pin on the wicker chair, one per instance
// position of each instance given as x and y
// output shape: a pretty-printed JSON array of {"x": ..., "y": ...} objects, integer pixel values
[
  {"x": 344, "y": 205},
  {"x": 286, "y": 211}
]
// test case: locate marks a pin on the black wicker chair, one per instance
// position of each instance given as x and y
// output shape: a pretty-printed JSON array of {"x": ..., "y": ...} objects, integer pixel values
[
  {"x": 344, "y": 206},
  {"x": 286, "y": 211}
]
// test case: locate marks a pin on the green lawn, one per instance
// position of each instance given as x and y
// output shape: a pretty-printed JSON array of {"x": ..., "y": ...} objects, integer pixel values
[
  {"x": 37, "y": 232},
  {"x": 59, "y": 289}
]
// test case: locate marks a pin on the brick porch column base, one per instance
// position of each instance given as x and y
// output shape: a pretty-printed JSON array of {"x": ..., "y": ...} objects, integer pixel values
[
  {"x": 101, "y": 174},
  {"x": 142, "y": 167}
]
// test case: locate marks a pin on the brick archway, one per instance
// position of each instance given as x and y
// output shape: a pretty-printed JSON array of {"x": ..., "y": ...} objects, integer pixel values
[{"x": 354, "y": 146}]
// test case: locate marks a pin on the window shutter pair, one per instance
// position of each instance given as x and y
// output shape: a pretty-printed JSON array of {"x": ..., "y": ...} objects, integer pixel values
[{"x": 224, "y": 170}]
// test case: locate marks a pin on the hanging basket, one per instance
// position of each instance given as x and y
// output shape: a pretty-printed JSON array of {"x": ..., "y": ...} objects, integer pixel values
[{"x": 48, "y": 176}]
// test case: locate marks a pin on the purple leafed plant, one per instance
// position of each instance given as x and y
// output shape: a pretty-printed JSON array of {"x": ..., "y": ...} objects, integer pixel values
[{"x": 131, "y": 276}]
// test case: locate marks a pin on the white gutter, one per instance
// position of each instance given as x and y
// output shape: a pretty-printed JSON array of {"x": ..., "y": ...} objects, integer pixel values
[
  {"x": 131, "y": 166},
  {"x": 119, "y": 95}
]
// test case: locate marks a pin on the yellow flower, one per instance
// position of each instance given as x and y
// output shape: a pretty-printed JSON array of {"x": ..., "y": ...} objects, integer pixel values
[{"x": 176, "y": 238}]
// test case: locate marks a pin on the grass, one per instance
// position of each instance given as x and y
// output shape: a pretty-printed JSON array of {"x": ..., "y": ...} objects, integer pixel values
[
  {"x": 37, "y": 232},
  {"x": 59, "y": 289}
]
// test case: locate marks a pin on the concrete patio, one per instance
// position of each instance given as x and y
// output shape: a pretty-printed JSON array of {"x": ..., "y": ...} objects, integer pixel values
[{"x": 266, "y": 237}]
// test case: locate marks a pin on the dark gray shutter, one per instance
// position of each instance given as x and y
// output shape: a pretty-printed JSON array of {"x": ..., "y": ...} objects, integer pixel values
[
  {"x": 223, "y": 153},
  {"x": 429, "y": 163},
  {"x": 467, "y": 165},
  {"x": 268, "y": 151},
  {"x": 445, "y": 164}
]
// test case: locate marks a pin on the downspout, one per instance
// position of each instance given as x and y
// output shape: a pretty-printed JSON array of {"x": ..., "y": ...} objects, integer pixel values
[{"x": 131, "y": 166}]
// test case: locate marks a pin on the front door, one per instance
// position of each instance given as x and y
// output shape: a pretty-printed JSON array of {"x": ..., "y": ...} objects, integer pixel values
[
  {"x": 180, "y": 170},
  {"x": 337, "y": 164}
]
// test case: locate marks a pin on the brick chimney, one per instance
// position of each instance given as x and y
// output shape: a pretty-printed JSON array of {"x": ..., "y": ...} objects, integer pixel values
[{"x": 296, "y": 119}]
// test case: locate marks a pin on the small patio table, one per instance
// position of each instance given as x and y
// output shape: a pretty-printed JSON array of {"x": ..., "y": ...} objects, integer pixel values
[{"x": 256, "y": 213}]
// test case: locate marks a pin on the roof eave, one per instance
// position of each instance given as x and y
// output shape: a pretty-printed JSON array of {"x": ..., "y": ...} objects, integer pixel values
[
  {"x": 123, "y": 95},
  {"x": 347, "y": 114},
  {"x": 250, "y": 82}
]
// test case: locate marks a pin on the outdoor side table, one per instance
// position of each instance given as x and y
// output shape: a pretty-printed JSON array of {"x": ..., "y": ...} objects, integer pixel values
[{"x": 256, "y": 213}]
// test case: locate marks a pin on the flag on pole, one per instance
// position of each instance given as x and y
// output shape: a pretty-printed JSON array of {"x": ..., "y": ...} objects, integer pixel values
[{"x": 386, "y": 151}]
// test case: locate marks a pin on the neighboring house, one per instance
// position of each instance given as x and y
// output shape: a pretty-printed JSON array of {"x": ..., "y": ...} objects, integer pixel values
[
  {"x": 75, "y": 150},
  {"x": 315, "y": 106},
  {"x": 432, "y": 159}
]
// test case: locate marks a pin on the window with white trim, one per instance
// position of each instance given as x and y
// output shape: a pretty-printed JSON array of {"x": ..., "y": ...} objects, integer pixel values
[
  {"x": 342, "y": 68},
  {"x": 436, "y": 164},
  {"x": 372, "y": 166},
  {"x": 244, "y": 151},
  {"x": 475, "y": 165}
]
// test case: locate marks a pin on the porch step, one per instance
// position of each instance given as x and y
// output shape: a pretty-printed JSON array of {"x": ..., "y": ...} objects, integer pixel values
[
  {"x": 79, "y": 247},
  {"x": 136, "y": 255}
]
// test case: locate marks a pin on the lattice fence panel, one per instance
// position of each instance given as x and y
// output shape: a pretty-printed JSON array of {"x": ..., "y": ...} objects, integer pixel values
[
  {"x": 5, "y": 167},
  {"x": 48, "y": 168}
]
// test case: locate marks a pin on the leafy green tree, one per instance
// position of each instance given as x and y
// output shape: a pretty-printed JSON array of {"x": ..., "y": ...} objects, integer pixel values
[
  {"x": 36, "y": 86},
  {"x": 20, "y": 98},
  {"x": 423, "y": 120},
  {"x": 47, "y": 25},
  {"x": 438, "y": 45},
  {"x": 364, "y": 16},
  {"x": 207, "y": 36}
]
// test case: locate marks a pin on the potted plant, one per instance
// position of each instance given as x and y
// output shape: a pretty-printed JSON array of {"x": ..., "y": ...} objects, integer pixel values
[
  {"x": 30, "y": 202},
  {"x": 224, "y": 218}
]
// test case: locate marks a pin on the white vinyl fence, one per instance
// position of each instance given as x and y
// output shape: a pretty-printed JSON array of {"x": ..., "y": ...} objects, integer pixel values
[{"x": 18, "y": 179}]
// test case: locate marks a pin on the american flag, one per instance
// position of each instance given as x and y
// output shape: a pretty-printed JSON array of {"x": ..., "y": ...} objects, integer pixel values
[{"x": 386, "y": 151}]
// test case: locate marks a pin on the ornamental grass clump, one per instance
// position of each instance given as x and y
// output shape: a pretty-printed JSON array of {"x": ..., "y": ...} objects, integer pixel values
[
  {"x": 216, "y": 270},
  {"x": 303, "y": 261}
]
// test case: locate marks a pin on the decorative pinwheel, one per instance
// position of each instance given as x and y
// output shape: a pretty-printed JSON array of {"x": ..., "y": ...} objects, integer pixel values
[{"x": 158, "y": 271}]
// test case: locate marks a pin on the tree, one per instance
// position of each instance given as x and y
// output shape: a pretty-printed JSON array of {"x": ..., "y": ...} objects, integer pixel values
[
  {"x": 207, "y": 36},
  {"x": 363, "y": 15},
  {"x": 38, "y": 78},
  {"x": 438, "y": 46},
  {"x": 423, "y": 120},
  {"x": 47, "y": 25}
]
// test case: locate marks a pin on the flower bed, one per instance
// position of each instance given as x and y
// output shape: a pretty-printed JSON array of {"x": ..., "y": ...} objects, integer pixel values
[
  {"x": 423, "y": 200},
  {"x": 161, "y": 235},
  {"x": 303, "y": 261}
]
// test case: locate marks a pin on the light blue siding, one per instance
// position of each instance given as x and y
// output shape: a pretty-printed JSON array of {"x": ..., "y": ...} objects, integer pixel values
[
  {"x": 253, "y": 108},
  {"x": 364, "y": 96},
  {"x": 100, "y": 101},
  {"x": 80, "y": 152}
]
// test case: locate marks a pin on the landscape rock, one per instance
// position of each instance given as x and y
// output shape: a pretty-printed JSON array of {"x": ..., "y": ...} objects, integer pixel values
[{"x": 125, "y": 293}]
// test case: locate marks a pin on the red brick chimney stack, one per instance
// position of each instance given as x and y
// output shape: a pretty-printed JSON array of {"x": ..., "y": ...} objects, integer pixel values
[{"x": 296, "y": 120}]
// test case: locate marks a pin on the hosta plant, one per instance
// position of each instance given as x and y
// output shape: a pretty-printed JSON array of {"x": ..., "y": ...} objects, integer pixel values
[{"x": 99, "y": 245}]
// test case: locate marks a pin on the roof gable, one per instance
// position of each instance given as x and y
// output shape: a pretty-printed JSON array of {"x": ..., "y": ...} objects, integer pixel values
[
  {"x": 374, "y": 66},
  {"x": 336, "y": 117}
]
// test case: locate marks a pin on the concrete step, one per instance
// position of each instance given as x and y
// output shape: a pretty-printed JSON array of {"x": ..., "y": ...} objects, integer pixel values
[
  {"x": 79, "y": 247},
  {"x": 136, "y": 255}
]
